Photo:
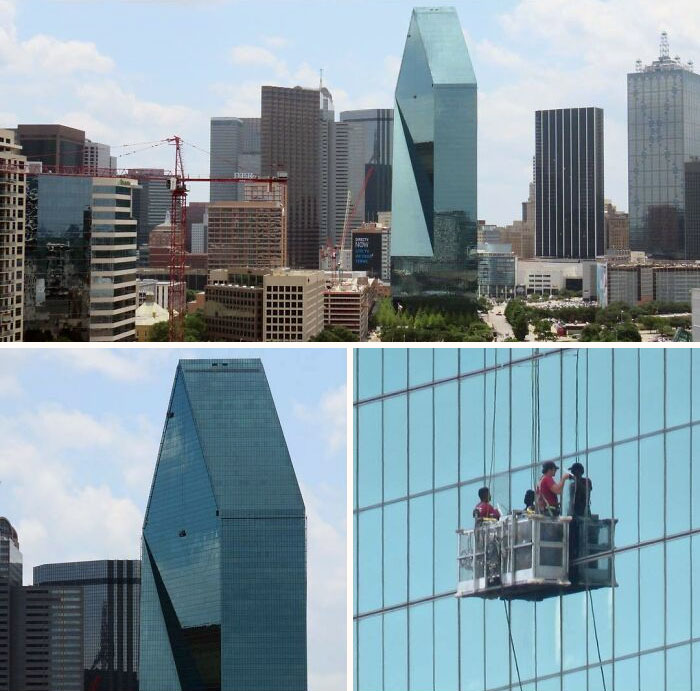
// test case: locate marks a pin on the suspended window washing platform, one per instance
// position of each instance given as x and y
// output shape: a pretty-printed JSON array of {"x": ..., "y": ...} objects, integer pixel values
[{"x": 532, "y": 557}]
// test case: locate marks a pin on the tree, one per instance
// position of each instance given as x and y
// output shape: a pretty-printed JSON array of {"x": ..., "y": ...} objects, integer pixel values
[
  {"x": 521, "y": 326},
  {"x": 159, "y": 332},
  {"x": 543, "y": 330},
  {"x": 336, "y": 334},
  {"x": 195, "y": 329}
]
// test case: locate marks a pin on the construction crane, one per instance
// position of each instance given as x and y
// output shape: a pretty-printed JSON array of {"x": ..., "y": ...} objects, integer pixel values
[{"x": 177, "y": 182}]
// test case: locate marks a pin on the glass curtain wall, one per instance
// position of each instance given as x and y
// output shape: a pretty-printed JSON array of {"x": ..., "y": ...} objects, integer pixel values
[{"x": 433, "y": 426}]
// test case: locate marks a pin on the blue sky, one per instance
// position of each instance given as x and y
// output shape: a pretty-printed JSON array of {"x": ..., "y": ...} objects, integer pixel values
[
  {"x": 132, "y": 71},
  {"x": 80, "y": 431}
]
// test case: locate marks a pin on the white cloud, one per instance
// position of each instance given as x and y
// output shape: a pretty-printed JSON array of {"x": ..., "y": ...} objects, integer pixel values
[
  {"x": 276, "y": 41},
  {"x": 257, "y": 56},
  {"x": 120, "y": 365},
  {"x": 330, "y": 416}
]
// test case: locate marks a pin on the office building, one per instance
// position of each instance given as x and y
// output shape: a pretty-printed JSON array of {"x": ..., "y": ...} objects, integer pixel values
[
  {"x": 348, "y": 303},
  {"x": 617, "y": 229},
  {"x": 199, "y": 231},
  {"x": 160, "y": 241},
  {"x": 292, "y": 304},
  {"x": 12, "y": 236},
  {"x": 547, "y": 276},
  {"x": 110, "y": 621},
  {"x": 290, "y": 142},
  {"x": 371, "y": 250},
  {"x": 249, "y": 234},
  {"x": 55, "y": 146},
  {"x": 663, "y": 281},
  {"x": 695, "y": 307},
  {"x": 432, "y": 427},
  {"x": 223, "y": 603},
  {"x": 692, "y": 208},
  {"x": 97, "y": 159},
  {"x": 434, "y": 160},
  {"x": 81, "y": 259},
  {"x": 10, "y": 584},
  {"x": 569, "y": 183},
  {"x": 663, "y": 134},
  {"x": 47, "y": 639},
  {"x": 496, "y": 270},
  {"x": 374, "y": 128},
  {"x": 235, "y": 151},
  {"x": 152, "y": 201},
  {"x": 233, "y": 305},
  {"x": 148, "y": 314}
]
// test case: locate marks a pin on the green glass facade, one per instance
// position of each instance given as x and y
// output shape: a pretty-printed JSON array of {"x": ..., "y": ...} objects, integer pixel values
[
  {"x": 432, "y": 426},
  {"x": 223, "y": 600},
  {"x": 434, "y": 160}
]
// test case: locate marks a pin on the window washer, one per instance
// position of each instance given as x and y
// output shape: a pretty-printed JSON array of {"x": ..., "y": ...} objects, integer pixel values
[
  {"x": 483, "y": 510},
  {"x": 529, "y": 501},
  {"x": 579, "y": 492},
  {"x": 548, "y": 489}
]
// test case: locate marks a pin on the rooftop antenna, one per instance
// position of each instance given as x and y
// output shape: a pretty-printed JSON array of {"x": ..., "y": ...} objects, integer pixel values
[
  {"x": 664, "y": 45},
  {"x": 321, "y": 82}
]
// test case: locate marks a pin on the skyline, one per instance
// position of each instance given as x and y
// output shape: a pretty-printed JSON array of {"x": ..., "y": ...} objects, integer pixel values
[
  {"x": 101, "y": 413},
  {"x": 527, "y": 55}
]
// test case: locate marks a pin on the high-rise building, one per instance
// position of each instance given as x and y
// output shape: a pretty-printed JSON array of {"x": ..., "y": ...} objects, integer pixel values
[
  {"x": 235, "y": 149},
  {"x": 692, "y": 208},
  {"x": 12, "y": 236},
  {"x": 97, "y": 158},
  {"x": 47, "y": 639},
  {"x": 374, "y": 129},
  {"x": 435, "y": 426},
  {"x": 109, "y": 640},
  {"x": 434, "y": 160},
  {"x": 151, "y": 201},
  {"x": 81, "y": 259},
  {"x": 223, "y": 600},
  {"x": 569, "y": 183},
  {"x": 10, "y": 583},
  {"x": 617, "y": 229},
  {"x": 251, "y": 234},
  {"x": 663, "y": 134},
  {"x": 55, "y": 146},
  {"x": 290, "y": 142}
]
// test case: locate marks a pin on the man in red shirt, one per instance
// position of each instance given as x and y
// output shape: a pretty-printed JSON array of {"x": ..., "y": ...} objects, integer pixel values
[
  {"x": 549, "y": 490},
  {"x": 484, "y": 509}
]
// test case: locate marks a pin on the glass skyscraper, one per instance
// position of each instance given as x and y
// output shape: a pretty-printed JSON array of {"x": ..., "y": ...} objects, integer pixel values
[
  {"x": 110, "y": 625},
  {"x": 434, "y": 160},
  {"x": 223, "y": 602},
  {"x": 433, "y": 426},
  {"x": 663, "y": 120}
]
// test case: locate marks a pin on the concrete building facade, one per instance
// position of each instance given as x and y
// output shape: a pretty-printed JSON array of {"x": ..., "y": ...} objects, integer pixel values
[
  {"x": 293, "y": 305},
  {"x": 233, "y": 307},
  {"x": 13, "y": 193},
  {"x": 348, "y": 304},
  {"x": 97, "y": 159}
]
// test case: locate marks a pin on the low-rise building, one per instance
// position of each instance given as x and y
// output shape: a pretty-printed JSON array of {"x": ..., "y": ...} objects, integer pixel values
[
  {"x": 662, "y": 281},
  {"x": 496, "y": 270},
  {"x": 233, "y": 305},
  {"x": 547, "y": 276},
  {"x": 293, "y": 304},
  {"x": 348, "y": 304},
  {"x": 147, "y": 315}
]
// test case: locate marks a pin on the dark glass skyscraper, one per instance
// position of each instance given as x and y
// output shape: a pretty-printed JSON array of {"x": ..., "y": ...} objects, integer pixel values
[
  {"x": 663, "y": 120},
  {"x": 223, "y": 604},
  {"x": 110, "y": 626},
  {"x": 434, "y": 160},
  {"x": 10, "y": 582},
  {"x": 290, "y": 132},
  {"x": 569, "y": 183}
]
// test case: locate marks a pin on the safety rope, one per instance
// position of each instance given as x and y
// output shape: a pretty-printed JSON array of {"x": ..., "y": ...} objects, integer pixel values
[
  {"x": 535, "y": 419},
  {"x": 493, "y": 430},
  {"x": 512, "y": 645},
  {"x": 597, "y": 642}
]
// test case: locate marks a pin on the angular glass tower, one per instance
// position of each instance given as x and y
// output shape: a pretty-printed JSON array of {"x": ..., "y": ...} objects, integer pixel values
[
  {"x": 223, "y": 600},
  {"x": 434, "y": 160}
]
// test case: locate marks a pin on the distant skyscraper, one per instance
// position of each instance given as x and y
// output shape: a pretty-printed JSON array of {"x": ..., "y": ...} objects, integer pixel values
[
  {"x": 663, "y": 134},
  {"x": 151, "y": 201},
  {"x": 12, "y": 236},
  {"x": 96, "y": 157},
  {"x": 235, "y": 148},
  {"x": 223, "y": 603},
  {"x": 434, "y": 160},
  {"x": 569, "y": 183},
  {"x": 80, "y": 263},
  {"x": 56, "y": 146},
  {"x": 10, "y": 583},
  {"x": 290, "y": 142},
  {"x": 374, "y": 128},
  {"x": 110, "y": 625},
  {"x": 692, "y": 208}
]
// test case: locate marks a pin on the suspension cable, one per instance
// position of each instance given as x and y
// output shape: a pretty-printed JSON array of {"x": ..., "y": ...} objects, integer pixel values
[
  {"x": 512, "y": 645},
  {"x": 597, "y": 642},
  {"x": 493, "y": 430}
]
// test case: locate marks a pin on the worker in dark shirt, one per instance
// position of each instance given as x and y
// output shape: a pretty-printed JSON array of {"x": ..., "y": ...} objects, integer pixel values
[
  {"x": 579, "y": 492},
  {"x": 483, "y": 510},
  {"x": 549, "y": 490}
]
